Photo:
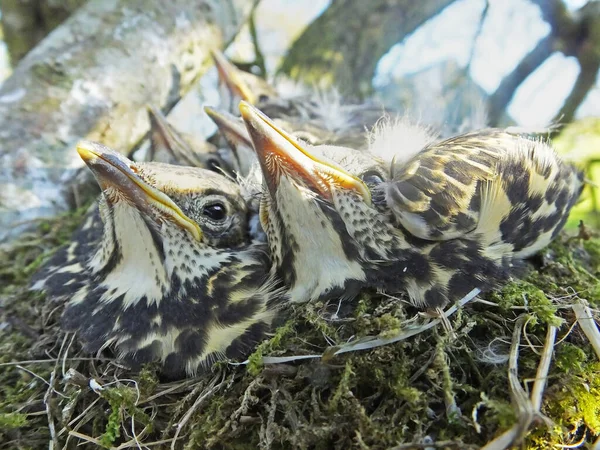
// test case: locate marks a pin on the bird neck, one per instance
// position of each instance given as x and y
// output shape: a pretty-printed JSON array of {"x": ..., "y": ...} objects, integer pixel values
[{"x": 307, "y": 243}]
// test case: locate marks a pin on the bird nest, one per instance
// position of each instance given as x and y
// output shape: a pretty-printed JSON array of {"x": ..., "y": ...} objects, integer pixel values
[{"x": 517, "y": 364}]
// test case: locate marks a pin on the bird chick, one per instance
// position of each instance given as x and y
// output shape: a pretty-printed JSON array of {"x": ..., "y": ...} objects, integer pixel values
[
  {"x": 456, "y": 216},
  {"x": 240, "y": 85},
  {"x": 314, "y": 132},
  {"x": 169, "y": 274},
  {"x": 171, "y": 146},
  {"x": 319, "y": 117}
]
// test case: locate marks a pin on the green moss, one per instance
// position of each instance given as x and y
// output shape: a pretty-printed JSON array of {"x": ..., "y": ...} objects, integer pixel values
[
  {"x": 570, "y": 358},
  {"x": 12, "y": 420},
  {"x": 501, "y": 413},
  {"x": 428, "y": 385},
  {"x": 255, "y": 360},
  {"x": 576, "y": 403},
  {"x": 343, "y": 387},
  {"x": 592, "y": 246},
  {"x": 113, "y": 427},
  {"x": 525, "y": 294},
  {"x": 122, "y": 400}
]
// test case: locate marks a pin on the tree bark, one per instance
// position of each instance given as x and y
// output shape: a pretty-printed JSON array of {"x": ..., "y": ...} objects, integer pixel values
[
  {"x": 574, "y": 34},
  {"x": 26, "y": 22},
  {"x": 343, "y": 46},
  {"x": 91, "y": 78},
  {"x": 500, "y": 99},
  {"x": 585, "y": 46}
]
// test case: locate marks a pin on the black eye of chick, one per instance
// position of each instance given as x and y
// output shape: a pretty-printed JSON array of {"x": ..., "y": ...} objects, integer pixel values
[
  {"x": 215, "y": 211},
  {"x": 372, "y": 178},
  {"x": 263, "y": 98}
]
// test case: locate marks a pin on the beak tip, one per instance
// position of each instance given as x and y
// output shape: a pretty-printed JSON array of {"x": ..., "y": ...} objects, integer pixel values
[
  {"x": 210, "y": 111},
  {"x": 216, "y": 54},
  {"x": 246, "y": 109},
  {"x": 87, "y": 150}
]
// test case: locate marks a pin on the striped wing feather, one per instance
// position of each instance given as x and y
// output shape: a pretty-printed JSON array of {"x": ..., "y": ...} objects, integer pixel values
[{"x": 490, "y": 185}]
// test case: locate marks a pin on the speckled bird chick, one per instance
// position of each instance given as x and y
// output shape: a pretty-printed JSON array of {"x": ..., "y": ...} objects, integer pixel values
[
  {"x": 458, "y": 215},
  {"x": 170, "y": 274}
]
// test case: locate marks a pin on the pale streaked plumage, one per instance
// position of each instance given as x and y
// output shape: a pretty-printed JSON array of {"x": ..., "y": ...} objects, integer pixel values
[
  {"x": 460, "y": 239},
  {"x": 169, "y": 274}
]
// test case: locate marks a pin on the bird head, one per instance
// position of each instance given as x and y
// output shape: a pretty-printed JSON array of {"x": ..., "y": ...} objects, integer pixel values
[
  {"x": 168, "y": 145},
  {"x": 192, "y": 204},
  {"x": 314, "y": 211},
  {"x": 240, "y": 85},
  {"x": 174, "y": 277}
]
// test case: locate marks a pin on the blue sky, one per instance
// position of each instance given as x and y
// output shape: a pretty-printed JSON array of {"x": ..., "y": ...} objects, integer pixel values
[{"x": 511, "y": 29}]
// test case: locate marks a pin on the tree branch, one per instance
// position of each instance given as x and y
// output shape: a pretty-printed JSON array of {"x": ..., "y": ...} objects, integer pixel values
[
  {"x": 343, "y": 46},
  {"x": 585, "y": 47},
  {"x": 503, "y": 95},
  {"x": 91, "y": 78}
]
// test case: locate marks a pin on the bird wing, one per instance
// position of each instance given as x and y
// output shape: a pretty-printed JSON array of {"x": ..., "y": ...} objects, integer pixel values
[
  {"x": 494, "y": 186},
  {"x": 435, "y": 195}
]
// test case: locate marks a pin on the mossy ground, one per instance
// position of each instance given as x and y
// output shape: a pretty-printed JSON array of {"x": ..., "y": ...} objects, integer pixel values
[{"x": 445, "y": 386}]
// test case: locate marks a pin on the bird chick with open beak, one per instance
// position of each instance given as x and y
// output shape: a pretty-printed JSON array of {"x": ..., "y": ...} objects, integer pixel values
[
  {"x": 456, "y": 216},
  {"x": 170, "y": 275}
]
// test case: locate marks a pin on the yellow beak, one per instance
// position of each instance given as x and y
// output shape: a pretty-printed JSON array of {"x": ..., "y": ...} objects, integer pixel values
[
  {"x": 276, "y": 148},
  {"x": 231, "y": 126},
  {"x": 231, "y": 76},
  {"x": 113, "y": 170}
]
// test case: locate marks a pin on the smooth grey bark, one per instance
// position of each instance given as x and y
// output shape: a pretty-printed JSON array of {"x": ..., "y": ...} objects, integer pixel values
[
  {"x": 26, "y": 22},
  {"x": 343, "y": 46},
  {"x": 91, "y": 78},
  {"x": 500, "y": 99}
]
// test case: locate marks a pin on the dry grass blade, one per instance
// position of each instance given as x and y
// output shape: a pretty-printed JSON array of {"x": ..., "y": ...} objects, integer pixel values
[
  {"x": 519, "y": 396},
  {"x": 542, "y": 371},
  {"x": 369, "y": 343},
  {"x": 206, "y": 394},
  {"x": 588, "y": 325}
]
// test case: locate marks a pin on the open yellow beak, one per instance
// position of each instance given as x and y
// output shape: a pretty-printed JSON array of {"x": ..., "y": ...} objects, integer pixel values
[
  {"x": 232, "y": 77},
  {"x": 113, "y": 170},
  {"x": 276, "y": 148}
]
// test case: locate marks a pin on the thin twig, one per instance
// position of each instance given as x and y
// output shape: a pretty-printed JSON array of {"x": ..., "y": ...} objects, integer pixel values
[
  {"x": 42, "y": 380},
  {"x": 86, "y": 438},
  {"x": 522, "y": 402},
  {"x": 53, "y": 438},
  {"x": 478, "y": 31},
  {"x": 85, "y": 411}
]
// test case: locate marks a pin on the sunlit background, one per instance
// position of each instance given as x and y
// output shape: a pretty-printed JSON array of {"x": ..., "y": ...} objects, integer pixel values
[{"x": 447, "y": 68}]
